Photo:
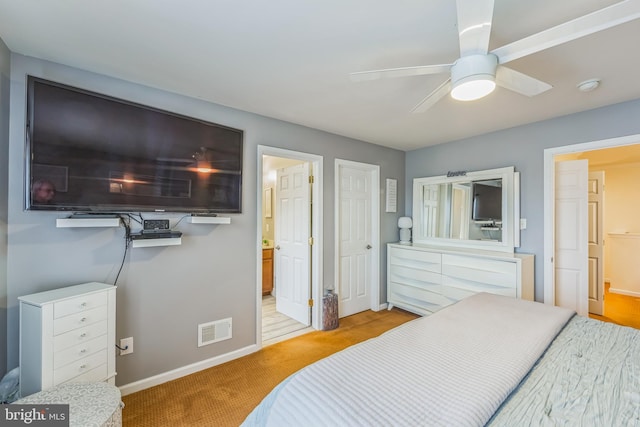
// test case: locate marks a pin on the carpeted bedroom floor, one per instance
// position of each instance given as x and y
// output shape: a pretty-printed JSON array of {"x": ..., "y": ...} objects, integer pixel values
[{"x": 225, "y": 394}]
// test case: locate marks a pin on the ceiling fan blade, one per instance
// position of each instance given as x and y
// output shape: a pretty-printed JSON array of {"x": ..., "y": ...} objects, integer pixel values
[
  {"x": 602, "y": 19},
  {"x": 433, "y": 97},
  {"x": 520, "y": 83},
  {"x": 474, "y": 25},
  {"x": 419, "y": 70}
]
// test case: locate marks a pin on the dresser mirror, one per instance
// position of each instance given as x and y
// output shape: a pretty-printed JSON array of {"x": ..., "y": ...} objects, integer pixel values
[{"x": 468, "y": 209}]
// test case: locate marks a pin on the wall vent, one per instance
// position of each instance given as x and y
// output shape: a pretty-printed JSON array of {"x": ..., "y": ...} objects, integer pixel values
[{"x": 211, "y": 332}]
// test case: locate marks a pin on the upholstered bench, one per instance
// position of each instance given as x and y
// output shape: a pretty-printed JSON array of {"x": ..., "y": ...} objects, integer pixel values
[{"x": 90, "y": 404}]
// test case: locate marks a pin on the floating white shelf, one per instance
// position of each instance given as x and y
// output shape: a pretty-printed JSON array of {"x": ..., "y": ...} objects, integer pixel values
[
  {"x": 147, "y": 243},
  {"x": 87, "y": 222},
  {"x": 209, "y": 220}
]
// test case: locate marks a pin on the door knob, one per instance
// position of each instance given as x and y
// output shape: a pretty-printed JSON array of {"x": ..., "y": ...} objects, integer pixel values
[
  {"x": 278, "y": 247},
  {"x": 369, "y": 246}
]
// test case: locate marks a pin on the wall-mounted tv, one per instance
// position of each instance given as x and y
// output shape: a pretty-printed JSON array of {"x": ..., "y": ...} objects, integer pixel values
[
  {"x": 487, "y": 201},
  {"x": 89, "y": 152}
]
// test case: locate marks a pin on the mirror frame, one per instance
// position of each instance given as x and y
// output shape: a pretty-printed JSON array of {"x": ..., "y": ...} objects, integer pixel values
[{"x": 510, "y": 209}]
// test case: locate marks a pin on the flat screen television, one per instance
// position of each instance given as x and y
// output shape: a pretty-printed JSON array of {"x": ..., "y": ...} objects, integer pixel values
[
  {"x": 89, "y": 152},
  {"x": 487, "y": 202}
]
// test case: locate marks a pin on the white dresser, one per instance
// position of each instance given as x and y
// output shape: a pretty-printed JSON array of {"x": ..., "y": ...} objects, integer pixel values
[
  {"x": 67, "y": 335},
  {"x": 423, "y": 279}
]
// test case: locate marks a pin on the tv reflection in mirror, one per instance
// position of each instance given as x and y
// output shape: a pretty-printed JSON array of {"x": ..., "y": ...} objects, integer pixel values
[{"x": 487, "y": 201}]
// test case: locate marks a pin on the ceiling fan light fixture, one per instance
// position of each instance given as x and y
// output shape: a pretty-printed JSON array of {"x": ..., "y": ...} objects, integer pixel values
[
  {"x": 473, "y": 77},
  {"x": 473, "y": 88}
]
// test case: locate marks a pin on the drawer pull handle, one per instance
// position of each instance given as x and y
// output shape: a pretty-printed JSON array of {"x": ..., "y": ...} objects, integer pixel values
[
  {"x": 84, "y": 319},
  {"x": 83, "y": 366},
  {"x": 84, "y": 350},
  {"x": 83, "y": 335},
  {"x": 84, "y": 304}
]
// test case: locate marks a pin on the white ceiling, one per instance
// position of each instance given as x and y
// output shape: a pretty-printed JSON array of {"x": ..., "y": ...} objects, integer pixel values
[{"x": 291, "y": 59}]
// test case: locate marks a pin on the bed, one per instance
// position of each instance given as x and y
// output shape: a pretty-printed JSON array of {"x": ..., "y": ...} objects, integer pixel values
[{"x": 486, "y": 360}]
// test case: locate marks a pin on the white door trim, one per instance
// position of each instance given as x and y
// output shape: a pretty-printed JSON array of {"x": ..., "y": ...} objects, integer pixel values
[
  {"x": 549, "y": 197},
  {"x": 374, "y": 171},
  {"x": 316, "y": 233}
]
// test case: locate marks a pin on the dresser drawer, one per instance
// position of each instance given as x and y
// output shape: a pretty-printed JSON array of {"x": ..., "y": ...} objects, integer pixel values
[
  {"x": 77, "y": 352},
  {"x": 423, "y": 260},
  {"x": 492, "y": 272},
  {"x": 430, "y": 300},
  {"x": 415, "y": 277},
  {"x": 79, "y": 367},
  {"x": 99, "y": 373},
  {"x": 456, "y": 290},
  {"x": 77, "y": 336},
  {"x": 78, "y": 304},
  {"x": 78, "y": 320}
]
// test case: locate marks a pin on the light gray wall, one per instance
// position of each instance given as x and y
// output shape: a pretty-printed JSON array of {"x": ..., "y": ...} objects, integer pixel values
[
  {"x": 523, "y": 147},
  {"x": 5, "y": 68},
  {"x": 163, "y": 293}
]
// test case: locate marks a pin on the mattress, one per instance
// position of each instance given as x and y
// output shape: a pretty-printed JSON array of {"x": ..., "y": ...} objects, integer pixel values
[{"x": 455, "y": 367}]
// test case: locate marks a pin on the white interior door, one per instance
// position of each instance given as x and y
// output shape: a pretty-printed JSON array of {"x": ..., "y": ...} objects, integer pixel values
[
  {"x": 355, "y": 234},
  {"x": 596, "y": 243},
  {"x": 571, "y": 234},
  {"x": 430, "y": 199},
  {"x": 461, "y": 212},
  {"x": 292, "y": 250}
]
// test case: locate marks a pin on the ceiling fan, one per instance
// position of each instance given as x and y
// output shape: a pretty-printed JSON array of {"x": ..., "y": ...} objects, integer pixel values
[{"x": 477, "y": 72}]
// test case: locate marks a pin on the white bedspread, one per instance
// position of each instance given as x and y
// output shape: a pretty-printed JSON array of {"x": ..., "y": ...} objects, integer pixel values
[{"x": 454, "y": 367}]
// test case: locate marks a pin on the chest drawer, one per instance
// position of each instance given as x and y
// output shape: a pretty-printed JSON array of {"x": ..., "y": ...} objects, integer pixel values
[
  {"x": 78, "y": 304},
  {"x": 77, "y": 336},
  {"x": 78, "y": 320},
  {"x": 470, "y": 269},
  {"x": 79, "y": 367},
  {"x": 77, "y": 352},
  {"x": 455, "y": 289},
  {"x": 422, "y": 260},
  {"x": 414, "y": 276}
]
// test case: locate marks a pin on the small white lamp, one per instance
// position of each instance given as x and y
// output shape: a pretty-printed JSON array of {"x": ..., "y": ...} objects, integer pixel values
[{"x": 405, "y": 223}]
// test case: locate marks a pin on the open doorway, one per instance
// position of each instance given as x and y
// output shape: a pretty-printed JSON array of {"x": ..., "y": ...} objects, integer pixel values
[
  {"x": 618, "y": 161},
  {"x": 289, "y": 229}
]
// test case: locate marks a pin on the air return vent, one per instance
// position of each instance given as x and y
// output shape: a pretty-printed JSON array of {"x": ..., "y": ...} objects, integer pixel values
[{"x": 211, "y": 332}]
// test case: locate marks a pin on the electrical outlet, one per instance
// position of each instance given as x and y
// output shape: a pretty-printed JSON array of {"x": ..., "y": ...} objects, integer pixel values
[
  {"x": 523, "y": 223},
  {"x": 126, "y": 346}
]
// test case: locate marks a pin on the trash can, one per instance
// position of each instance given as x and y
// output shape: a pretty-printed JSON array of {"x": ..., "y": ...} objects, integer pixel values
[{"x": 330, "y": 311}]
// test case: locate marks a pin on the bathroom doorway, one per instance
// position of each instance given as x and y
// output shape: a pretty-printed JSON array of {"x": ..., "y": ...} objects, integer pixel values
[{"x": 290, "y": 244}]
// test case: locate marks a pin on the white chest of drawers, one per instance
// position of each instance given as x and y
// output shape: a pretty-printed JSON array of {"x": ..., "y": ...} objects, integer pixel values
[
  {"x": 423, "y": 279},
  {"x": 67, "y": 334}
]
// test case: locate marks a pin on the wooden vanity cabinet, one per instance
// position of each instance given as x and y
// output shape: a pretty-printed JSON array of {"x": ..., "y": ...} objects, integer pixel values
[{"x": 267, "y": 271}]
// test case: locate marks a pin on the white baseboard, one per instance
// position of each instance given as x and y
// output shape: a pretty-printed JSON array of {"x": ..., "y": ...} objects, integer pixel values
[
  {"x": 186, "y": 370},
  {"x": 383, "y": 306},
  {"x": 624, "y": 292}
]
